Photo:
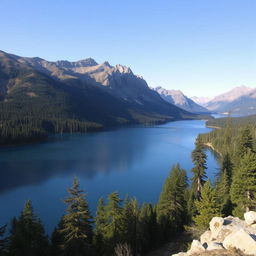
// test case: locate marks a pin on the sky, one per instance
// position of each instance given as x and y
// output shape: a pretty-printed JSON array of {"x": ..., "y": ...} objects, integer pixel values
[{"x": 201, "y": 47}]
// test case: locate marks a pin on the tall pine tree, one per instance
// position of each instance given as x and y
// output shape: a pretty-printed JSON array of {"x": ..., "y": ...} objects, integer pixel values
[
  {"x": 147, "y": 228},
  {"x": 100, "y": 228},
  {"x": 207, "y": 207},
  {"x": 171, "y": 207},
  {"x": 3, "y": 245},
  {"x": 114, "y": 231},
  {"x": 223, "y": 185},
  {"x": 77, "y": 223},
  {"x": 199, "y": 175},
  {"x": 27, "y": 236},
  {"x": 243, "y": 188}
]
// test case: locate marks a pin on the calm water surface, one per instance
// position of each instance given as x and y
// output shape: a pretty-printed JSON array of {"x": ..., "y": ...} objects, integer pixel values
[{"x": 132, "y": 161}]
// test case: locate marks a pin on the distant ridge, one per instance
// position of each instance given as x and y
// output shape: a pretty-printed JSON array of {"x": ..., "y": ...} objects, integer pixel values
[
  {"x": 177, "y": 98},
  {"x": 240, "y": 100}
]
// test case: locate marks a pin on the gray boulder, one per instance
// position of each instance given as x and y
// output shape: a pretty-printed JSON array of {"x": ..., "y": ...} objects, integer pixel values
[
  {"x": 196, "y": 247},
  {"x": 250, "y": 217},
  {"x": 206, "y": 237},
  {"x": 241, "y": 240}
]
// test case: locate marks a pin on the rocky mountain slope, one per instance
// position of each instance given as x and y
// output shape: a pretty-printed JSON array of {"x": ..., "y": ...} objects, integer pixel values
[
  {"x": 241, "y": 100},
  {"x": 225, "y": 235},
  {"x": 177, "y": 98},
  {"x": 64, "y": 96}
]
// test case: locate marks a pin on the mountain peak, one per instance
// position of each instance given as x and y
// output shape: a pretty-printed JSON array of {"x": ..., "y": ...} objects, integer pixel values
[
  {"x": 89, "y": 62},
  {"x": 123, "y": 69},
  {"x": 177, "y": 98}
]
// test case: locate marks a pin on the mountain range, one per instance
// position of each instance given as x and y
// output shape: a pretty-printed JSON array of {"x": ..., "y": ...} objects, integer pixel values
[
  {"x": 177, "y": 98},
  {"x": 64, "y": 96},
  {"x": 238, "y": 101}
]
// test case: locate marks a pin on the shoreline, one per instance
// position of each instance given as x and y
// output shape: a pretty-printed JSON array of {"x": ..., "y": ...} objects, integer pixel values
[{"x": 209, "y": 145}]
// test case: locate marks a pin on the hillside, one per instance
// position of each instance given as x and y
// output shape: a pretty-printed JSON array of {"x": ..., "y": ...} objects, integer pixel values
[
  {"x": 177, "y": 98},
  {"x": 240, "y": 100},
  {"x": 38, "y": 97}
]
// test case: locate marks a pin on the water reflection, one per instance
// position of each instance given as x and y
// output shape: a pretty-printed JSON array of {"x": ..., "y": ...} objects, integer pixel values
[{"x": 86, "y": 155}]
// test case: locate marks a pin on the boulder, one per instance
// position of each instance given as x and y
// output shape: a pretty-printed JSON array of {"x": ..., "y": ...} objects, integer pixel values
[
  {"x": 241, "y": 240},
  {"x": 230, "y": 225},
  {"x": 206, "y": 237},
  {"x": 216, "y": 225},
  {"x": 196, "y": 247},
  {"x": 214, "y": 246},
  {"x": 250, "y": 217}
]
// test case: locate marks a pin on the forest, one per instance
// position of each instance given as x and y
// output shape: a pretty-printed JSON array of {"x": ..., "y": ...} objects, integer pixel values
[{"x": 126, "y": 227}]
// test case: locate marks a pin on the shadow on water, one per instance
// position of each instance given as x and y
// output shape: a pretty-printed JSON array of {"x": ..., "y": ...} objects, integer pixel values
[{"x": 85, "y": 155}]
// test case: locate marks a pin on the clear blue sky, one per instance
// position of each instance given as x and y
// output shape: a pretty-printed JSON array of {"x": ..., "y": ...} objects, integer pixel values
[{"x": 202, "y": 47}]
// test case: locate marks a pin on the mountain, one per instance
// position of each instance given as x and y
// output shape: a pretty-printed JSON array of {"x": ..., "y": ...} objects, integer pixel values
[
  {"x": 239, "y": 101},
  {"x": 38, "y": 97},
  {"x": 202, "y": 101},
  {"x": 177, "y": 98}
]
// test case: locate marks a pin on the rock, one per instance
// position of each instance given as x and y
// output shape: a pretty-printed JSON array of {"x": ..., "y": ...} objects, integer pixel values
[
  {"x": 241, "y": 240},
  {"x": 230, "y": 225},
  {"x": 250, "y": 217},
  {"x": 215, "y": 226},
  {"x": 206, "y": 237},
  {"x": 196, "y": 247},
  {"x": 253, "y": 226},
  {"x": 214, "y": 246}
]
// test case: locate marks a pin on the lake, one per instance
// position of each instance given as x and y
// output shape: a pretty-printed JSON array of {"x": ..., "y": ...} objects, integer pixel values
[{"x": 134, "y": 161}]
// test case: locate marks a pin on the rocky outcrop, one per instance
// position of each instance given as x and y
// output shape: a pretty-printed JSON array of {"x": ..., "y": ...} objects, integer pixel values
[{"x": 227, "y": 234}]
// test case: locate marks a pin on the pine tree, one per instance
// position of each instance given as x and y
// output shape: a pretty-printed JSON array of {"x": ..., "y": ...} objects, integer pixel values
[
  {"x": 243, "y": 188},
  {"x": 147, "y": 230},
  {"x": 227, "y": 166},
  {"x": 223, "y": 194},
  {"x": 27, "y": 236},
  {"x": 171, "y": 207},
  {"x": 199, "y": 159},
  {"x": 130, "y": 219},
  {"x": 114, "y": 212},
  {"x": 57, "y": 240},
  {"x": 223, "y": 185},
  {"x": 207, "y": 207},
  {"x": 3, "y": 245},
  {"x": 245, "y": 143},
  {"x": 77, "y": 223},
  {"x": 100, "y": 228}
]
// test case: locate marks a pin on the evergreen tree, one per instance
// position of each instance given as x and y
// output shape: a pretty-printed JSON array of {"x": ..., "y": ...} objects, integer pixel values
[
  {"x": 3, "y": 245},
  {"x": 227, "y": 166},
  {"x": 57, "y": 240},
  {"x": 199, "y": 159},
  {"x": 114, "y": 228},
  {"x": 243, "y": 188},
  {"x": 77, "y": 223},
  {"x": 147, "y": 230},
  {"x": 100, "y": 228},
  {"x": 223, "y": 194},
  {"x": 207, "y": 207},
  {"x": 171, "y": 207},
  {"x": 223, "y": 185},
  {"x": 130, "y": 219},
  {"x": 245, "y": 143},
  {"x": 27, "y": 236}
]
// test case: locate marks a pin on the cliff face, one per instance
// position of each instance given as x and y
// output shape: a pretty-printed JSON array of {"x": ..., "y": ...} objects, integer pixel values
[{"x": 226, "y": 236}]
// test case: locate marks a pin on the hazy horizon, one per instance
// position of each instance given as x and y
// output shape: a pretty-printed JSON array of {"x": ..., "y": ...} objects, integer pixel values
[{"x": 200, "y": 47}]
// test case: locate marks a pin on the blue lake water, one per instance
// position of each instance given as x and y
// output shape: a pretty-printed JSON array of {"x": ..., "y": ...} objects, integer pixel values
[{"x": 134, "y": 161}]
